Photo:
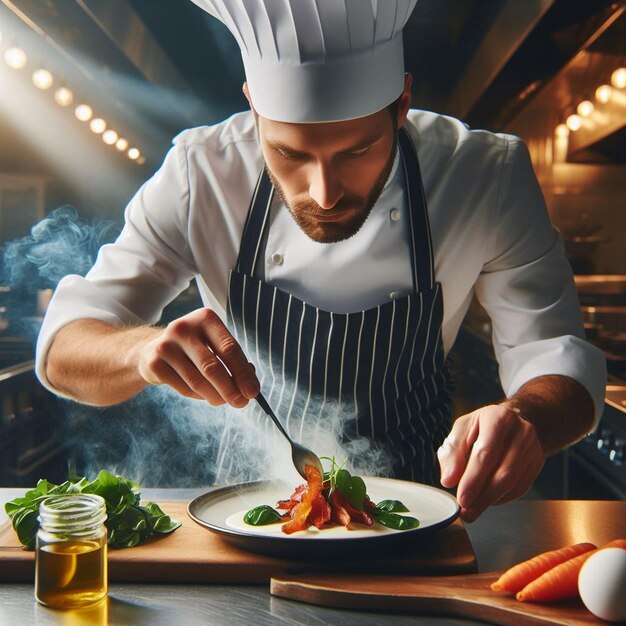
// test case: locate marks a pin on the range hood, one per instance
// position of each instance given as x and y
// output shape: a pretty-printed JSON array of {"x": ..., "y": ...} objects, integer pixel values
[
  {"x": 563, "y": 63},
  {"x": 154, "y": 67}
]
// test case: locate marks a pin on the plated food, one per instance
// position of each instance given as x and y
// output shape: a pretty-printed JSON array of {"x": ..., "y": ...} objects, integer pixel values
[
  {"x": 221, "y": 510},
  {"x": 336, "y": 498}
]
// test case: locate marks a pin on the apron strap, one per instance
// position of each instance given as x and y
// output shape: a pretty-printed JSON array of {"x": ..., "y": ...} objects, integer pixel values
[
  {"x": 258, "y": 214},
  {"x": 421, "y": 242}
]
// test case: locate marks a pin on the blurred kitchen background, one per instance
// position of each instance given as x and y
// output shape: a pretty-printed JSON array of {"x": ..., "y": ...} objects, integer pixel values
[{"x": 93, "y": 91}]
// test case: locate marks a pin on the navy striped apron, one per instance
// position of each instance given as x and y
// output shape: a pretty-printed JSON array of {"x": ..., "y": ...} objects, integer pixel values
[{"x": 383, "y": 369}]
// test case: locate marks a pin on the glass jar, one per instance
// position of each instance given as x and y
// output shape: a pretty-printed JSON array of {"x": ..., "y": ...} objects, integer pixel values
[{"x": 71, "y": 557}]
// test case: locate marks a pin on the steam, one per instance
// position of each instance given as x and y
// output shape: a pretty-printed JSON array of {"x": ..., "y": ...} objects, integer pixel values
[
  {"x": 162, "y": 439},
  {"x": 57, "y": 245}
]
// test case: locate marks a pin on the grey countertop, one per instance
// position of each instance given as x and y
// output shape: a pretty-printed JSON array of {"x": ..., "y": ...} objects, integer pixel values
[{"x": 502, "y": 536}]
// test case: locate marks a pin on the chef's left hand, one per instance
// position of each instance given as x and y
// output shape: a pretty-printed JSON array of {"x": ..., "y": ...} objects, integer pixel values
[{"x": 493, "y": 455}]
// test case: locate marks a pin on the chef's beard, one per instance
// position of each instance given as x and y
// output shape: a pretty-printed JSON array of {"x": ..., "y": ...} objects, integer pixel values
[{"x": 304, "y": 212}]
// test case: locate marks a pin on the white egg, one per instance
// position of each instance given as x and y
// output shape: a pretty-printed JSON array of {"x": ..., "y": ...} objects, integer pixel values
[{"x": 602, "y": 584}]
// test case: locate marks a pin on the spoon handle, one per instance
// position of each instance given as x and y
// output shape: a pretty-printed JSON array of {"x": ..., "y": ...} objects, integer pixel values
[{"x": 266, "y": 407}]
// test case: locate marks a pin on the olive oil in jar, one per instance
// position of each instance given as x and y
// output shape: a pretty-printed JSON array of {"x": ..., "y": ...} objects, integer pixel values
[{"x": 71, "y": 564}]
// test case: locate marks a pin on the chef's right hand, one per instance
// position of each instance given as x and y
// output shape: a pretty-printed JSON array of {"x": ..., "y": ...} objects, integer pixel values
[{"x": 199, "y": 358}]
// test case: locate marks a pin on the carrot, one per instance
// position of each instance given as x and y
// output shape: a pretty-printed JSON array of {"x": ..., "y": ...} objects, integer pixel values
[
  {"x": 520, "y": 575},
  {"x": 558, "y": 583},
  {"x": 561, "y": 582}
]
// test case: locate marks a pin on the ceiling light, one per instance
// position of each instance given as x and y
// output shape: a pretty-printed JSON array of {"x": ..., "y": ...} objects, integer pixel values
[
  {"x": 585, "y": 108},
  {"x": 42, "y": 79},
  {"x": 134, "y": 154},
  {"x": 561, "y": 130},
  {"x": 63, "y": 96},
  {"x": 97, "y": 125},
  {"x": 109, "y": 137},
  {"x": 141, "y": 160},
  {"x": 15, "y": 58},
  {"x": 121, "y": 144},
  {"x": 83, "y": 112},
  {"x": 603, "y": 93},
  {"x": 618, "y": 78},
  {"x": 574, "y": 122}
]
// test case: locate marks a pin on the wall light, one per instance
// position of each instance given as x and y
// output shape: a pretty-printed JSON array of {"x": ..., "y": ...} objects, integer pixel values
[
  {"x": 561, "y": 130},
  {"x": 618, "y": 78},
  {"x": 109, "y": 137},
  {"x": 603, "y": 93},
  {"x": 97, "y": 125},
  {"x": 574, "y": 122},
  {"x": 15, "y": 58},
  {"x": 83, "y": 112},
  {"x": 42, "y": 79},
  {"x": 63, "y": 97},
  {"x": 585, "y": 108}
]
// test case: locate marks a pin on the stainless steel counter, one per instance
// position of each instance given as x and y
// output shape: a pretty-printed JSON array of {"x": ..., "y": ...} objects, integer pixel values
[{"x": 502, "y": 536}]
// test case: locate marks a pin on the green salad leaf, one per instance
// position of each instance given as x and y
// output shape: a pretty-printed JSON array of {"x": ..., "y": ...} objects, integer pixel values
[
  {"x": 262, "y": 515},
  {"x": 392, "y": 506},
  {"x": 352, "y": 487},
  {"x": 128, "y": 521},
  {"x": 395, "y": 521}
]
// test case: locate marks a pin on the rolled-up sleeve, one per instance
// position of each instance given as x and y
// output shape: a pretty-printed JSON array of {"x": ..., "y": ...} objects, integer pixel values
[
  {"x": 135, "y": 277},
  {"x": 527, "y": 288}
]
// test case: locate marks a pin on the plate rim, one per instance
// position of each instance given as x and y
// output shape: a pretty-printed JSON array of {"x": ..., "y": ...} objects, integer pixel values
[{"x": 234, "y": 533}]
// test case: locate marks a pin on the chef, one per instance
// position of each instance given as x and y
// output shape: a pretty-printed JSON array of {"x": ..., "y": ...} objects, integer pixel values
[{"x": 337, "y": 238}]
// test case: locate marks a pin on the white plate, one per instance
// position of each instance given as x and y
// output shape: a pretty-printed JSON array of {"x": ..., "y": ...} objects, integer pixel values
[{"x": 222, "y": 511}]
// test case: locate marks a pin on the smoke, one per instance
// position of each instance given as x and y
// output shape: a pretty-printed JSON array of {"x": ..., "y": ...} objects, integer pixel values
[
  {"x": 162, "y": 439},
  {"x": 57, "y": 245},
  {"x": 313, "y": 421}
]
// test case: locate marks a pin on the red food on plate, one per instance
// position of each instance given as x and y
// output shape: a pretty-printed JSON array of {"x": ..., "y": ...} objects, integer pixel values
[
  {"x": 309, "y": 507},
  {"x": 316, "y": 504}
]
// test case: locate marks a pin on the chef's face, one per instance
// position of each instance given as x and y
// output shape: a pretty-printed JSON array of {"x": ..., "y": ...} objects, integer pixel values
[{"x": 330, "y": 175}]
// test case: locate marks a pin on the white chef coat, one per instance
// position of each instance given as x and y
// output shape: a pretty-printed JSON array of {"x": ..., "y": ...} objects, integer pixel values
[{"x": 490, "y": 229}]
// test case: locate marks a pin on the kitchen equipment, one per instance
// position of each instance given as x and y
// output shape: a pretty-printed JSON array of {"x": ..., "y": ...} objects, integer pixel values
[
  {"x": 300, "y": 455},
  {"x": 458, "y": 596},
  {"x": 193, "y": 555},
  {"x": 31, "y": 445},
  {"x": 222, "y": 511},
  {"x": 602, "y": 453},
  {"x": 612, "y": 286}
]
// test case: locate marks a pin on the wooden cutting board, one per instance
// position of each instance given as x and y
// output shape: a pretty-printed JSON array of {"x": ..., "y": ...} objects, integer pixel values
[
  {"x": 194, "y": 554},
  {"x": 466, "y": 596}
]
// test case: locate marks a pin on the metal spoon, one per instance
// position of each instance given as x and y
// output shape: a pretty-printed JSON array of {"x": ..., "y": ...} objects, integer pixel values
[{"x": 300, "y": 455}]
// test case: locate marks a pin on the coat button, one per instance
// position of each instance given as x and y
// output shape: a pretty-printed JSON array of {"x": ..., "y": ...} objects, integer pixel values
[
  {"x": 395, "y": 214},
  {"x": 394, "y": 295},
  {"x": 277, "y": 258}
]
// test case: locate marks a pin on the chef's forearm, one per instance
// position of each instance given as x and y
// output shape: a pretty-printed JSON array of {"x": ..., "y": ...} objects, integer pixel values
[
  {"x": 96, "y": 363},
  {"x": 560, "y": 408}
]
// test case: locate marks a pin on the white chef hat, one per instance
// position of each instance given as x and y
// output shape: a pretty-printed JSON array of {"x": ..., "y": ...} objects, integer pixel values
[{"x": 318, "y": 60}]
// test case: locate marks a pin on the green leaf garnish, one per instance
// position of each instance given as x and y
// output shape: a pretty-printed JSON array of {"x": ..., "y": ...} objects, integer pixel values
[
  {"x": 397, "y": 522},
  {"x": 392, "y": 506},
  {"x": 261, "y": 516},
  {"x": 352, "y": 487}
]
